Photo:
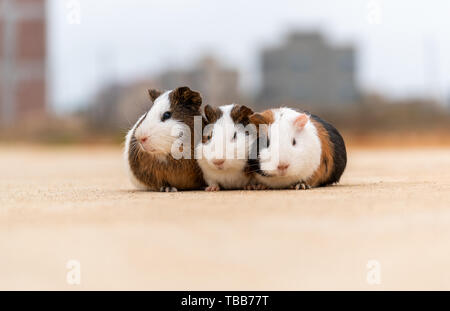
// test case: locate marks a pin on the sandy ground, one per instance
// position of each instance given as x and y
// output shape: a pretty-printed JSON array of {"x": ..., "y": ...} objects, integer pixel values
[{"x": 56, "y": 205}]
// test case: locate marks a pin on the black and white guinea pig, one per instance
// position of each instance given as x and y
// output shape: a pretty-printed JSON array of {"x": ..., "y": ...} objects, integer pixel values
[
  {"x": 149, "y": 144},
  {"x": 222, "y": 155},
  {"x": 302, "y": 150}
]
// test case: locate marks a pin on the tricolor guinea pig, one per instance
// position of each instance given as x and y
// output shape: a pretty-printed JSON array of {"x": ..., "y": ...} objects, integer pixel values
[
  {"x": 298, "y": 151},
  {"x": 149, "y": 145},
  {"x": 225, "y": 147}
]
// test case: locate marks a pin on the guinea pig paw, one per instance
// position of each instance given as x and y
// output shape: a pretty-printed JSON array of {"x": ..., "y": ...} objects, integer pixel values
[
  {"x": 168, "y": 189},
  {"x": 256, "y": 187},
  {"x": 261, "y": 187},
  {"x": 301, "y": 186},
  {"x": 212, "y": 188}
]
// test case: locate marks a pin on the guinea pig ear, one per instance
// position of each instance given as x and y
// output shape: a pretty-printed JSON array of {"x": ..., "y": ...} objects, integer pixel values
[
  {"x": 241, "y": 114},
  {"x": 154, "y": 94},
  {"x": 257, "y": 119},
  {"x": 265, "y": 117},
  {"x": 185, "y": 96},
  {"x": 211, "y": 114},
  {"x": 301, "y": 121}
]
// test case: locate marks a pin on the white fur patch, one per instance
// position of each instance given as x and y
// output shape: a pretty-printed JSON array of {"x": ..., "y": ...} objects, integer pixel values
[
  {"x": 224, "y": 146},
  {"x": 303, "y": 158},
  {"x": 160, "y": 135}
]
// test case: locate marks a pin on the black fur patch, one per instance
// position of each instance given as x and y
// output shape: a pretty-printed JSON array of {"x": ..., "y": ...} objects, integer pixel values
[
  {"x": 339, "y": 151},
  {"x": 254, "y": 165}
]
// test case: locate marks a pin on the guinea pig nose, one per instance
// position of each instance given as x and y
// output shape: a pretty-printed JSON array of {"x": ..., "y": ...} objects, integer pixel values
[
  {"x": 219, "y": 162},
  {"x": 143, "y": 139},
  {"x": 283, "y": 166}
]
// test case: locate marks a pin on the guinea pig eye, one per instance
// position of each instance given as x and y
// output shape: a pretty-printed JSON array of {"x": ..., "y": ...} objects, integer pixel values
[
  {"x": 235, "y": 135},
  {"x": 294, "y": 142},
  {"x": 208, "y": 138},
  {"x": 166, "y": 115}
]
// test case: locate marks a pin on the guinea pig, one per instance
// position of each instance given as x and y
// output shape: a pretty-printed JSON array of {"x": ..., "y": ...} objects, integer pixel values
[
  {"x": 149, "y": 145},
  {"x": 222, "y": 155},
  {"x": 301, "y": 150}
]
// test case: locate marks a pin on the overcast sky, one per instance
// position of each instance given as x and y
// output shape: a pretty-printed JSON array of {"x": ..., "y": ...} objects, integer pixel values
[{"x": 406, "y": 52}]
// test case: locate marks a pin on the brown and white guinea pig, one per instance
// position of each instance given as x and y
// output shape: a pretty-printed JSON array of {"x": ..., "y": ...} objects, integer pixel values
[
  {"x": 149, "y": 144},
  {"x": 302, "y": 150},
  {"x": 224, "y": 150}
]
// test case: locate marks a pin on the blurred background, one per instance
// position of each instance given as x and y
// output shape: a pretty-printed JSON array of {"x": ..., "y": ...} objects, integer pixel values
[{"x": 76, "y": 71}]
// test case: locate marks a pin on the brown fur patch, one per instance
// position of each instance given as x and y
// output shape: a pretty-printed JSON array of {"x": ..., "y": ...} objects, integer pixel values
[
  {"x": 212, "y": 114},
  {"x": 183, "y": 174},
  {"x": 241, "y": 114},
  {"x": 262, "y": 120},
  {"x": 325, "y": 169},
  {"x": 156, "y": 171},
  {"x": 185, "y": 104},
  {"x": 268, "y": 116},
  {"x": 265, "y": 117}
]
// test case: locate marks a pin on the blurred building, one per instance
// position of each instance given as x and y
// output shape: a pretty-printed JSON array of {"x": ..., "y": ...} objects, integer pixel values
[
  {"x": 22, "y": 59},
  {"x": 308, "y": 70},
  {"x": 218, "y": 85},
  {"x": 118, "y": 106}
]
